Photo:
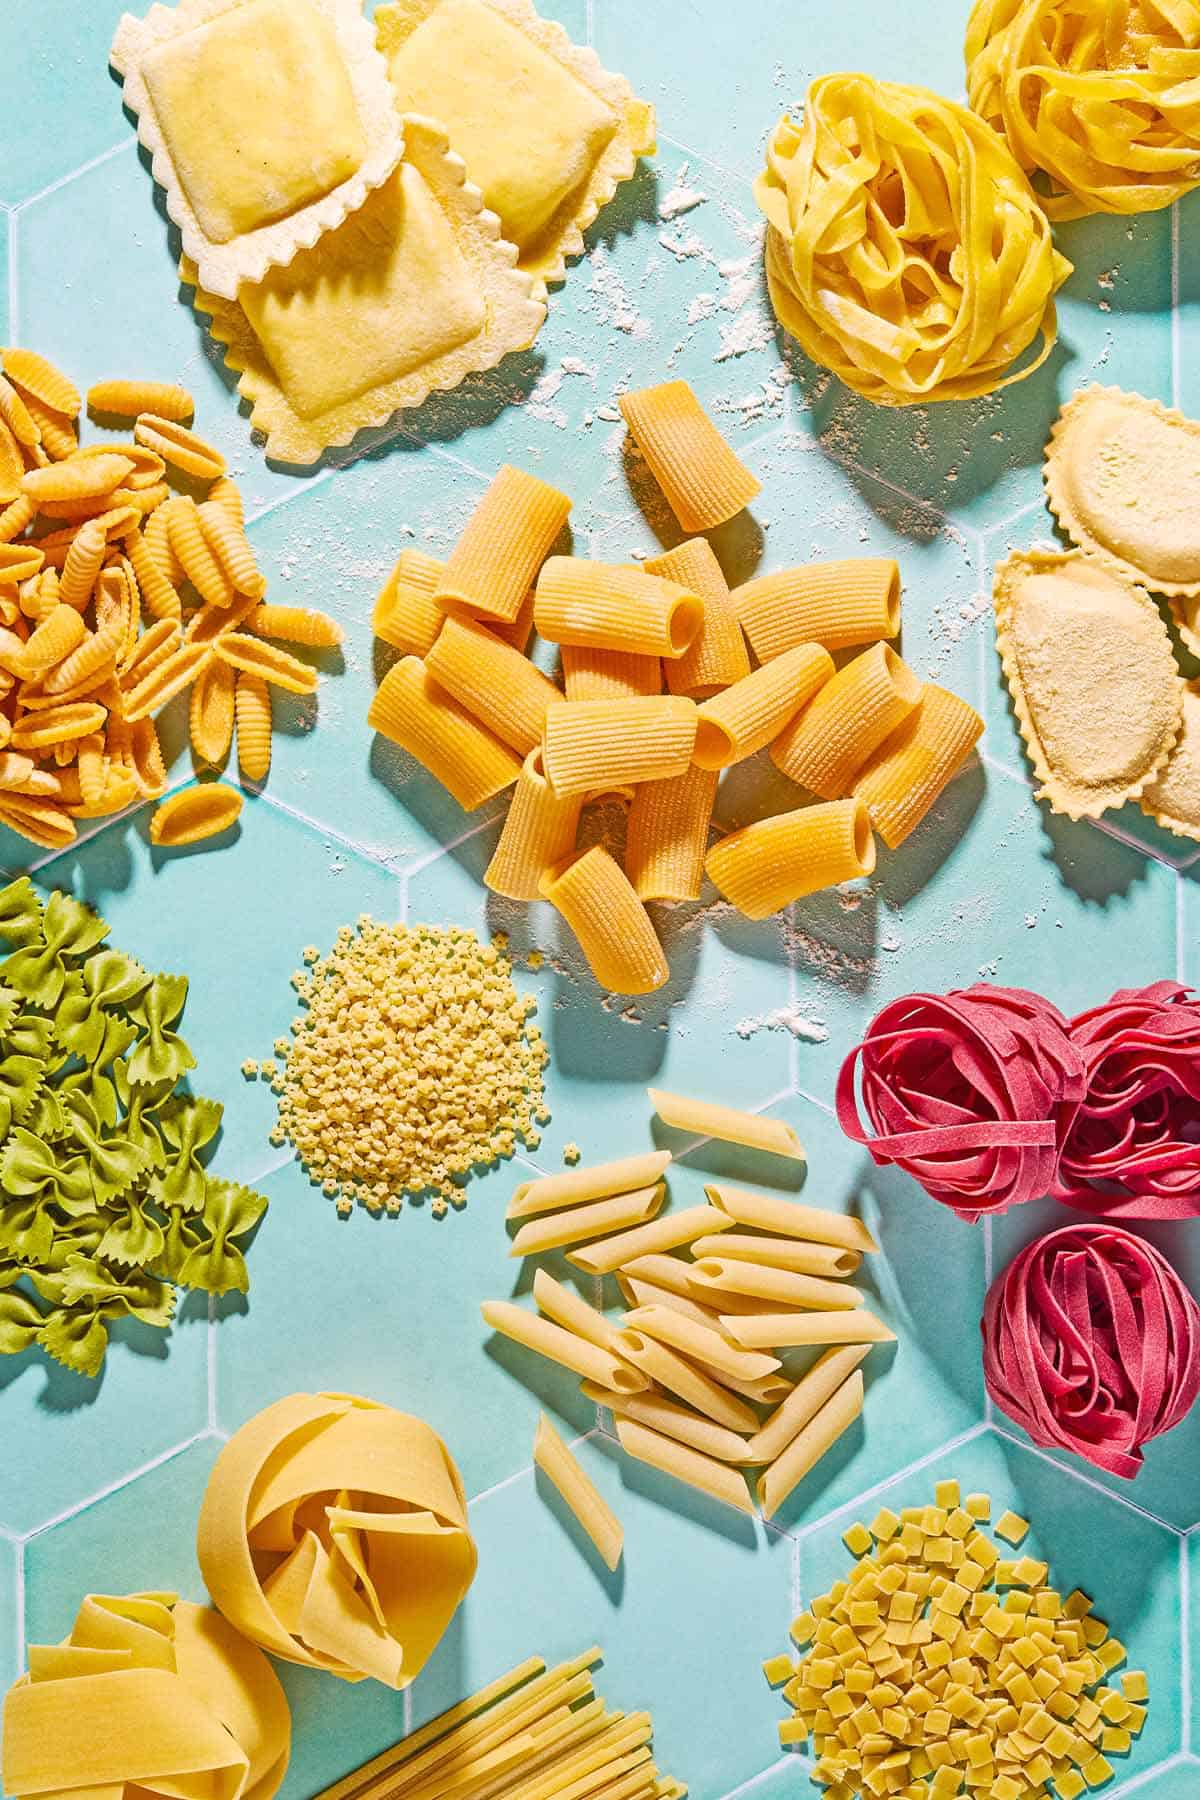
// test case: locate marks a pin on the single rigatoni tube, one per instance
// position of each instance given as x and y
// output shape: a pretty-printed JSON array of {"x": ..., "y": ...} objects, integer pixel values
[
  {"x": 673, "y": 1420},
  {"x": 735, "y": 724},
  {"x": 702, "y": 480},
  {"x": 787, "y": 1218},
  {"x": 782, "y": 1253},
  {"x": 783, "y": 1331},
  {"x": 810, "y": 1444},
  {"x": 557, "y": 1463},
  {"x": 611, "y": 607},
  {"x": 658, "y": 1363},
  {"x": 605, "y": 744},
  {"x": 713, "y": 1276},
  {"x": 698, "y": 1342},
  {"x": 912, "y": 767},
  {"x": 708, "y": 1119},
  {"x": 717, "y": 656},
  {"x": 495, "y": 683},
  {"x": 670, "y": 1232},
  {"x": 551, "y": 1192},
  {"x": 580, "y": 1223},
  {"x": 667, "y": 838},
  {"x": 594, "y": 896},
  {"x": 826, "y": 745},
  {"x": 413, "y": 711},
  {"x": 672, "y": 1458},
  {"x": 837, "y": 604},
  {"x": 766, "y": 865},
  {"x": 815, "y": 1387},
  {"x": 405, "y": 615},
  {"x": 563, "y": 1347},
  {"x": 573, "y": 1313},
  {"x": 539, "y": 831},
  {"x": 503, "y": 545},
  {"x": 590, "y": 674}
]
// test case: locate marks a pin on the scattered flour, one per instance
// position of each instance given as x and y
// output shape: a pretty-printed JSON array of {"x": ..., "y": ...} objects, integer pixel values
[
  {"x": 682, "y": 198},
  {"x": 784, "y": 1018}
]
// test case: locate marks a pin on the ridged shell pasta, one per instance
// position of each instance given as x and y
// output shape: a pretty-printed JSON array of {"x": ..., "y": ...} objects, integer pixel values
[
  {"x": 252, "y": 709},
  {"x": 194, "y": 814},
  {"x": 129, "y": 399},
  {"x": 268, "y": 660},
  {"x": 296, "y": 624},
  {"x": 36, "y": 376},
  {"x": 183, "y": 449},
  {"x": 210, "y": 717}
]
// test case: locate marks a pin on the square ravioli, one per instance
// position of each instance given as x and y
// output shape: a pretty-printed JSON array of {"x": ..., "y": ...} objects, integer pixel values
[
  {"x": 268, "y": 122},
  {"x": 413, "y": 292},
  {"x": 545, "y": 131}
]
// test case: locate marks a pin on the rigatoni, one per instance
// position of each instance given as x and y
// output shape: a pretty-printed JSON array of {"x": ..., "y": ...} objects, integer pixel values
[
  {"x": 607, "y": 606},
  {"x": 413, "y": 711},
  {"x": 590, "y": 674},
  {"x": 826, "y": 745},
  {"x": 495, "y": 683},
  {"x": 717, "y": 657},
  {"x": 406, "y": 615},
  {"x": 832, "y": 603},
  {"x": 912, "y": 768},
  {"x": 703, "y": 481},
  {"x": 503, "y": 545},
  {"x": 601, "y": 744},
  {"x": 559, "y": 1466},
  {"x": 740, "y": 721},
  {"x": 539, "y": 830},
  {"x": 594, "y": 896},
  {"x": 768, "y": 864},
  {"x": 667, "y": 838}
]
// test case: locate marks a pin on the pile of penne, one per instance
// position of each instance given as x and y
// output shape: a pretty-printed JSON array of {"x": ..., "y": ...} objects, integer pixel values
[{"x": 873, "y": 743}]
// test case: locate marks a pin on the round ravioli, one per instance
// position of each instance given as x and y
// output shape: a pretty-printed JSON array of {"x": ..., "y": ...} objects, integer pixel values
[
  {"x": 1173, "y": 797},
  {"x": 1090, "y": 668}
]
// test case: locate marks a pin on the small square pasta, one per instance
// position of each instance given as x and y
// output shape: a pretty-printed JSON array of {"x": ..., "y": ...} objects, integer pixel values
[
  {"x": 412, "y": 293},
  {"x": 268, "y": 122},
  {"x": 546, "y": 132}
]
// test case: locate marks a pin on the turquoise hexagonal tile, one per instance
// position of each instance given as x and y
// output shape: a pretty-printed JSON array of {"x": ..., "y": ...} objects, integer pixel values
[
  {"x": 7, "y": 231},
  {"x": 66, "y": 108},
  {"x": 1191, "y": 1593},
  {"x": 12, "y": 1648},
  {"x": 1185, "y": 215},
  {"x": 1176, "y": 1780}
]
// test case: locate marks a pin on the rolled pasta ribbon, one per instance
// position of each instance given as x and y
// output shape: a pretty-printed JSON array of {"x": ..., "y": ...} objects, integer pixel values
[
  {"x": 539, "y": 830},
  {"x": 414, "y": 711},
  {"x": 151, "y": 1695},
  {"x": 565, "y": 1347},
  {"x": 713, "y": 1276},
  {"x": 810, "y": 1444},
  {"x": 766, "y": 865},
  {"x": 494, "y": 682},
  {"x": 935, "y": 299},
  {"x": 594, "y": 896},
  {"x": 825, "y": 746},
  {"x": 787, "y": 1218},
  {"x": 507, "y": 537},
  {"x": 703, "y": 481},
  {"x": 333, "y": 1532},
  {"x": 835, "y": 604},
  {"x": 913, "y": 767},
  {"x": 673, "y": 1458},
  {"x": 598, "y": 745},
  {"x": 579, "y": 1223},
  {"x": 699, "y": 1342},
  {"x": 667, "y": 837},
  {"x": 556, "y": 1462},
  {"x": 606, "y": 606},
  {"x": 744, "y": 718},
  {"x": 717, "y": 656},
  {"x": 574, "y": 1186}
]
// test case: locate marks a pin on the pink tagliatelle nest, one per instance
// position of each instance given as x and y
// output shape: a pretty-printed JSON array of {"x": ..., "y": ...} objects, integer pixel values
[{"x": 1091, "y": 1342}]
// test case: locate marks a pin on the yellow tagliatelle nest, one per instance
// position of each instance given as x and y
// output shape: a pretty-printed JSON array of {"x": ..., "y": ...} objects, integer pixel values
[
  {"x": 333, "y": 1533},
  {"x": 907, "y": 252},
  {"x": 1100, "y": 99},
  {"x": 149, "y": 1695}
]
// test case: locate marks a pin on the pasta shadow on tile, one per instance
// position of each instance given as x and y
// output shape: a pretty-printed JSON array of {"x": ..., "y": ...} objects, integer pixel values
[
  {"x": 939, "y": 840},
  {"x": 677, "y": 1497},
  {"x": 611, "y": 1580}
]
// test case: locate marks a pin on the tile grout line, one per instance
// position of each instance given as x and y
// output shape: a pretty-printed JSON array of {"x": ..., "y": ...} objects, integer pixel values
[
  {"x": 740, "y": 177},
  {"x": 1136, "y": 1782},
  {"x": 114, "y": 1487},
  {"x": 1179, "y": 930},
  {"x": 905, "y": 1474},
  {"x": 1176, "y": 330},
  {"x": 1087, "y": 1481},
  {"x": 498, "y": 1486},
  {"x": 211, "y": 1368},
  {"x": 1185, "y": 1643},
  {"x": 19, "y": 1604},
  {"x": 374, "y": 857},
  {"x": 94, "y": 162},
  {"x": 745, "y": 1787},
  {"x": 286, "y": 499}
]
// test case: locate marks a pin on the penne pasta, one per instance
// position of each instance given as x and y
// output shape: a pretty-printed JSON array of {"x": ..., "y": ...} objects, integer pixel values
[
  {"x": 605, "y": 744},
  {"x": 573, "y": 1314},
  {"x": 698, "y": 1342},
  {"x": 667, "y": 1272},
  {"x": 837, "y": 604},
  {"x": 668, "y": 1233},
  {"x": 503, "y": 545},
  {"x": 809, "y": 1445},
  {"x": 580, "y": 1223},
  {"x": 782, "y": 1253},
  {"x": 766, "y": 865},
  {"x": 703, "y": 482},
  {"x": 539, "y": 831},
  {"x": 717, "y": 656},
  {"x": 413, "y": 711},
  {"x": 495, "y": 683},
  {"x": 707, "y": 1119},
  {"x": 782, "y": 1331},
  {"x": 556, "y": 1462},
  {"x": 675, "y": 1421},
  {"x": 563, "y": 1347},
  {"x": 824, "y": 747},
  {"x": 667, "y": 837},
  {"x": 787, "y": 1218},
  {"x": 637, "y": 1292},
  {"x": 590, "y": 674},
  {"x": 815, "y": 1387},
  {"x": 672, "y": 1458},
  {"x": 713, "y": 1276},
  {"x": 608, "y": 606},
  {"x": 594, "y": 896},
  {"x": 576, "y": 1185},
  {"x": 659, "y": 1363},
  {"x": 741, "y": 721},
  {"x": 912, "y": 767},
  {"x": 406, "y": 615}
]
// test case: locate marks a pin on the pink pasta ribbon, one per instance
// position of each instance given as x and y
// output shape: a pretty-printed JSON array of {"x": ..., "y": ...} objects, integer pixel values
[
  {"x": 971, "y": 1092},
  {"x": 1091, "y": 1342}
]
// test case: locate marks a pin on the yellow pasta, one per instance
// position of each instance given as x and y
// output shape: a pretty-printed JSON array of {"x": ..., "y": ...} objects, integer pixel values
[
  {"x": 146, "y": 759},
  {"x": 495, "y": 683},
  {"x": 786, "y": 1330},
  {"x": 41, "y": 821},
  {"x": 191, "y": 550},
  {"x": 210, "y": 718},
  {"x": 566, "y": 1309},
  {"x": 208, "y": 623},
  {"x": 600, "y": 744},
  {"x": 564, "y": 1347},
  {"x": 913, "y": 767},
  {"x": 698, "y": 1342},
  {"x": 717, "y": 656},
  {"x": 83, "y": 563},
  {"x": 786, "y": 1218},
  {"x": 253, "y": 657},
  {"x": 837, "y": 604},
  {"x": 539, "y": 831},
  {"x": 157, "y": 539},
  {"x": 163, "y": 681},
  {"x": 19, "y": 561},
  {"x": 659, "y": 1363},
  {"x": 766, "y": 865},
  {"x": 817, "y": 1385},
  {"x": 713, "y": 1276},
  {"x": 229, "y": 544},
  {"x": 226, "y": 493},
  {"x": 182, "y": 448},
  {"x": 670, "y": 1232},
  {"x": 735, "y": 724},
  {"x": 57, "y": 434},
  {"x": 35, "y": 375},
  {"x": 578, "y": 1224},
  {"x": 194, "y": 814},
  {"x": 92, "y": 661},
  {"x": 674, "y": 1421},
  {"x": 606, "y": 606},
  {"x": 505, "y": 541},
  {"x": 16, "y": 416},
  {"x": 672, "y": 1458},
  {"x": 706, "y": 1119},
  {"x": 57, "y": 725},
  {"x": 590, "y": 674},
  {"x": 556, "y": 1462},
  {"x": 827, "y": 1260},
  {"x": 810, "y": 1444},
  {"x": 129, "y": 399},
  {"x": 12, "y": 465},
  {"x": 60, "y": 632},
  {"x": 252, "y": 710},
  {"x": 15, "y": 517},
  {"x": 594, "y": 896},
  {"x": 84, "y": 478},
  {"x": 159, "y": 597},
  {"x": 298, "y": 624},
  {"x": 551, "y": 1192},
  {"x": 826, "y": 745},
  {"x": 153, "y": 647},
  {"x": 406, "y": 615},
  {"x": 667, "y": 839},
  {"x": 703, "y": 481},
  {"x": 413, "y": 711}
]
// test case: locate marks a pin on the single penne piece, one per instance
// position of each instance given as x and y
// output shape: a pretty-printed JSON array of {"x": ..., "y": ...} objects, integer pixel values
[
  {"x": 672, "y": 1458},
  {"x": 551, "y": 1192},
  {"x": 590, "y": 674},
  {"x": 665, "y": 1271},
  {"x": 717, "y": 656},
  {"x": 663, "y": 1414},
  {"x": 608, "y": 606},
  {"x": 782, "y": 1253},
  {"x": 668, "y": 1233},
  {"x": 598, "y": 1519},
  {"x": 766, "y": 865},
  {"x": 602, "y": 744},
  {"x": 539, "y": 831},
  {"x": 787, "y": 1218},
  {"x": 580, "y": 1223},
  {"x": 406, "y": 615},
  {"x": 698, "y": 1342},
  {"x": 764, "y": 1390},
  {"x": 810, "y": 1444},
  {"x": 713, "y": 1276},
  {"x": 824, "y": 747},
  {"x": 837, "y": 604},
  {"x": 815, "y": 1387},
  {"x": 912, "y": 767},
  {"x": 783, "y": 1331},
  {"x": 594, "y": 896},
  {"x": 708, "y": 1119},
  {"x": 702, "y": 480},
  {"x": 495, "y": 683},
  {"x": 744, "y": 718},
  {"x": 667, "y": 838},
  {"x": 637, "y": 1292},
  {"x": 414, "y": 711},
  {"x": 563, "y": 1347},
  {"x": 659, "y": 1363},
  {"x": 573, "y": 1313},
  {"x": 503, "y": 545}
]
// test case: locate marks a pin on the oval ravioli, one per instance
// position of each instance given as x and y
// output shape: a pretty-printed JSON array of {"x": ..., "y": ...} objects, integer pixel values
[
  {"x": 1173, "y": 797},
  {"x": 1123, "y": 479},
  {"x": 1093, "y": 679}
]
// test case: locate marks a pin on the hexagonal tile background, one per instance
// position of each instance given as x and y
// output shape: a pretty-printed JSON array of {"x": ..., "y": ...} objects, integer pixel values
[{"x": 99, "y": 1482}]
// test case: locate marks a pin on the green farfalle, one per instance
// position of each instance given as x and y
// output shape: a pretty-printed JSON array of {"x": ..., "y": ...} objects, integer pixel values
[
  {"x": 39, "y": 969},
  {"x": 114, "y": 1160},
  {"x": 20, "y": 1322},
  {"x": 21, "y": 1079},
  {"x": 180, "y": 1239},
  {"x": 26, "y": 1230},
  {"x": 10, "y": 1010},
  {"x": 84, "y": 1019},
  {"x": 186, "y": 1124},
  {"x": 217, "y": 1265},
  {"x": 28, "y": 1165},
  {"x": 133, "y": 1237},
  {"x": 77, "y": 1337},
  {"x": 162, "y": 1054},
  {"x": 31, "y": 1034},
  {"x": 88, "y": 1282},
  {"x": 20, "y": 912}
]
